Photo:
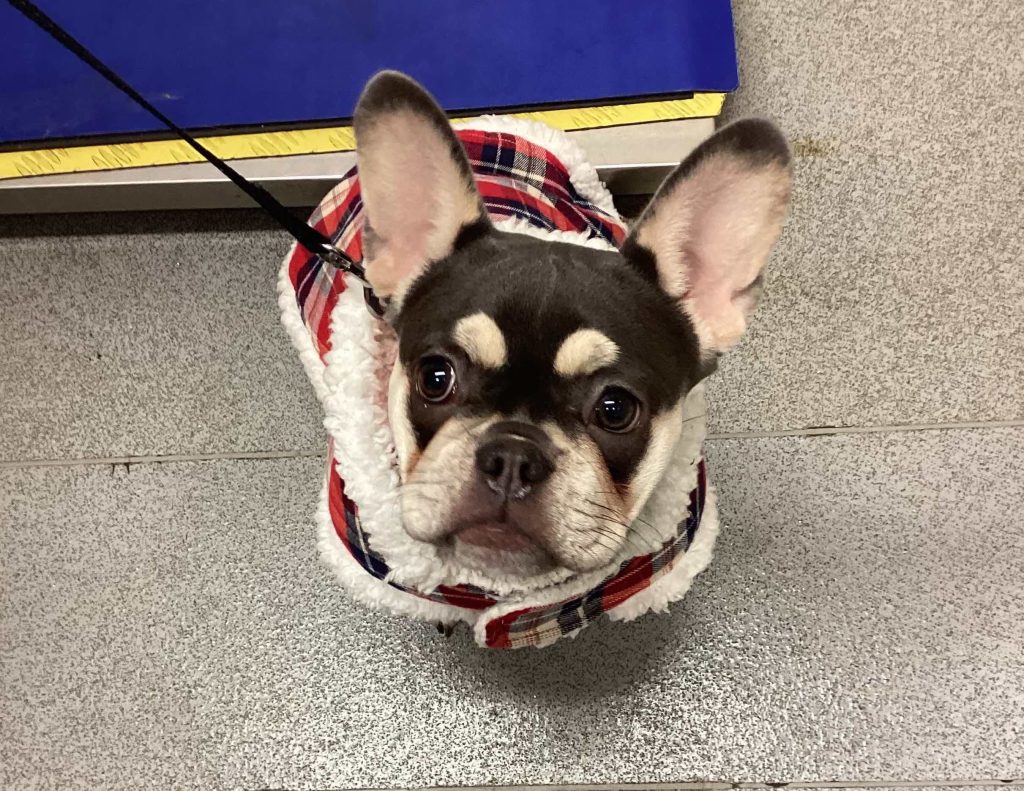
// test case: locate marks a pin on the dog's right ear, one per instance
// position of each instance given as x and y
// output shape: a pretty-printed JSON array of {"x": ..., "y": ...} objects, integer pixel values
[{"x": 417, "y": 185}]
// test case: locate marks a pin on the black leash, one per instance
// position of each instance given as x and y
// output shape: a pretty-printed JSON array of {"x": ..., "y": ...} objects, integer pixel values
[{"x": 310, "y": 238}]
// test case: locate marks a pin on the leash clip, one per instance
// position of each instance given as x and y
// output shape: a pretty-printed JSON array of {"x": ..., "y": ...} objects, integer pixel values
[
  {"x": 333, "y": 256},
  {"x": 338, "y": 259}
]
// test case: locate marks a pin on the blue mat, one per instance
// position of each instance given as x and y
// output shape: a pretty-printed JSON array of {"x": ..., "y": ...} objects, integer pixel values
[{"x": 228, "y": 63}]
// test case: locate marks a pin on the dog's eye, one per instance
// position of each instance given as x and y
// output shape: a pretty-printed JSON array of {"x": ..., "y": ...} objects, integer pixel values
[
  {"x": 435, "y": 380},
  {"x": 617, "y": 410}
]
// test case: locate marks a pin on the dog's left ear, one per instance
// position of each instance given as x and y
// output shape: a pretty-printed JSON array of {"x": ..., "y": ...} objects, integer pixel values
[
  {"x": 707, "y": 233},
  {"x": 417, "y": 185}
]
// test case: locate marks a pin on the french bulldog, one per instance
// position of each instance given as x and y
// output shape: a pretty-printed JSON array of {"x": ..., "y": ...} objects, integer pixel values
[{"x": 539, "y": 385}]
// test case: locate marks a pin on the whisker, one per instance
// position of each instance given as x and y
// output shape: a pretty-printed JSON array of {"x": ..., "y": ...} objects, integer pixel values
[
  {"x": 641, "y": 527},
  {"x": 628, "y": 536},
  {"x": 602, "y": 526}
]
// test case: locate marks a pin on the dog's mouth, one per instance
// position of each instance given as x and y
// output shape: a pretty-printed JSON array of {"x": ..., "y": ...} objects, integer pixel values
[
  {"x": 497, "y": 534},
  {"x": 498, "y": 543}
]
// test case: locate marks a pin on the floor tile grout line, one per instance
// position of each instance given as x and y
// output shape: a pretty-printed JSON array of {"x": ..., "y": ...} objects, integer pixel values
[
  {"x": 165, "y": 459},
  {"x": 825, "y": 431},
  {"x": 1011, "y": 782},
  {"x": 725, "y": 785},
  {"x": 305, "y": 454}
]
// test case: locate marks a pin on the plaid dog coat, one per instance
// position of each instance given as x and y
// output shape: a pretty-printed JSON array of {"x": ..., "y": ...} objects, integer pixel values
[{"x": 525, "y": 186}]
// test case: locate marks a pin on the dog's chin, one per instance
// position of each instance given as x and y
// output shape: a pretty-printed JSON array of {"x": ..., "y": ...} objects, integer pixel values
[
  {"x": 499, "y": 547},
  {"x": 506, "y": 540}
]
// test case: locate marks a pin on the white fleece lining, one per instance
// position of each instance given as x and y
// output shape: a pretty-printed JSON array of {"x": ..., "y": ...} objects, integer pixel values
[
  {"x": 352, "y": 387},
  {"x": 519, "y": 225}
]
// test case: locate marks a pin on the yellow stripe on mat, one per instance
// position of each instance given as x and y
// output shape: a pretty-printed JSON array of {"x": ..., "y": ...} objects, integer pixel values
[{"x": 82, "y": 159}]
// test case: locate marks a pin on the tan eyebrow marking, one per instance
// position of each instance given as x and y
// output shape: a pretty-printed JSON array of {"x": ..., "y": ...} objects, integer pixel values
[
  {"x": 482, "y": 340},
  {"x": 584, "y": 352}
]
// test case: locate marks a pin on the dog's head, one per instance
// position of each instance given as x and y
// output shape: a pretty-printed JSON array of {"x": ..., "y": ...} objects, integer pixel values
[{"x": 538, "y": 391}]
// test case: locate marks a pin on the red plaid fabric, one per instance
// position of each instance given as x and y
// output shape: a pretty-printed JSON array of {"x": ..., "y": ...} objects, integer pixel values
[{"x": 516, "y": 178}]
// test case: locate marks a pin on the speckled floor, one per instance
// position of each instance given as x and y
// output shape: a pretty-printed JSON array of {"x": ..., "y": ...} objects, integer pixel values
[{"x": 166, "y": 624}]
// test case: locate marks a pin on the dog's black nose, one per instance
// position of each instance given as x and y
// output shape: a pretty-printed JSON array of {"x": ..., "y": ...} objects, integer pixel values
[{"x": 512, "y": 465}]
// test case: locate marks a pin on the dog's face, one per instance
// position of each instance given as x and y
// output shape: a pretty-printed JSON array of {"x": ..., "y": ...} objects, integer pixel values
[{"x": 538, "y": 391}]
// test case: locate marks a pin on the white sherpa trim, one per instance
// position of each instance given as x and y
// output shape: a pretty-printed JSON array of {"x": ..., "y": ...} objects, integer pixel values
[
  {"x": 582, "y": 174},
  {"x": 519, "y": 225},
  {"x": 356, "y": 418}
]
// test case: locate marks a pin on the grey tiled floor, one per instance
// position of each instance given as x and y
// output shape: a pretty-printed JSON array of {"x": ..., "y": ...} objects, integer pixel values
[{"x": 168, "y": 625}]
